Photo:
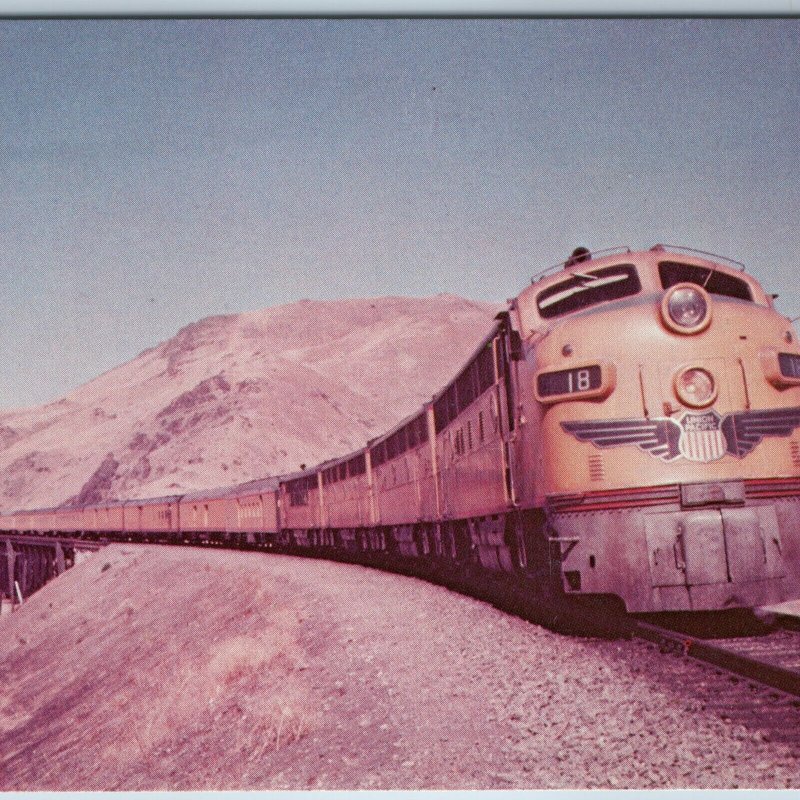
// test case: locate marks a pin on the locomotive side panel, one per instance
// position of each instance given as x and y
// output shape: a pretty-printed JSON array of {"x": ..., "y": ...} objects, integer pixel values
[
  {"x": 68, "y": 520},
  {"x": 110, "y": 519},
  {"x": 271, "y": 511},
  {"x": 428, "y": 472},
  {"x": 249, "y": 514},
  {"x": 39, "y": 521},
  {"x": 398, "y": 464},
  {"x": 204, "y": 513},
  {"x": 10, "y": 522},
  {"x": 131, "y": 517},
  {"x": 54, "y": 520},
  {"x": 397, "y": 496},
  {"x": 158, "y": 515},
  {"x": 471, "y": 461},
  {"x": 346, "y": 493},
  {"x": 90, "y": 520},
  {"x": 239, "y": 514},
  {"x": 50, "y": 520},
  {"x": 471, "y": 442},
  {"x": 300, "y": 502},
  {"x": 256, "y": 508}
]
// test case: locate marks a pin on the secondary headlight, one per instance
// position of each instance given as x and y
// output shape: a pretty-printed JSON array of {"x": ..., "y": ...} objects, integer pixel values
[
  {"x": 695, "y": 387},
  {"x": 686, "y": 308}
]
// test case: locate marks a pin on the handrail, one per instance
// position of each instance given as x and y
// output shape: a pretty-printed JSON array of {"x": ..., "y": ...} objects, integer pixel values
[
  {"x": 703, "y": 253},
  {"x": 627, "y": 249}
]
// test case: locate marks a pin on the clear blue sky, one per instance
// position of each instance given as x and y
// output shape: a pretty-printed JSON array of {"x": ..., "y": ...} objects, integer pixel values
[{"x": 155, "y": 172}]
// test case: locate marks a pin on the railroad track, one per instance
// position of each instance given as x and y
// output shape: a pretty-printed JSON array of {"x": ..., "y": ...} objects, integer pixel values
[
  {"x": 764, "y": 653},
  {"x": 769, "y": 656}
]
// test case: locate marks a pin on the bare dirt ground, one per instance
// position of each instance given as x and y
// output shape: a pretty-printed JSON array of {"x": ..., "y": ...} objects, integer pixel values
[{"x": 159, "y": 668}]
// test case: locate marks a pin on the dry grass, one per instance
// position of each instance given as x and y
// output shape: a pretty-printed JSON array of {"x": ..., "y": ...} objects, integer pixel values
[{"x": 141, "y": 696}]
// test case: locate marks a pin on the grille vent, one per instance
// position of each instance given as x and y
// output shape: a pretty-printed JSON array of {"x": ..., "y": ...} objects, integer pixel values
[
  {"x": 597, "y": 471},
  {"x": 794, "y": 448}
]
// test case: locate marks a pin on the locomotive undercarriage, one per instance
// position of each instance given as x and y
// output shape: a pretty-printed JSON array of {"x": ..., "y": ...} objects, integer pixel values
[{"x": 467, "y": 552}]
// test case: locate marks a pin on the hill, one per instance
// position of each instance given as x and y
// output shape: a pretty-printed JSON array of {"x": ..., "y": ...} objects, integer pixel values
[{"x": 236, "y": 397}]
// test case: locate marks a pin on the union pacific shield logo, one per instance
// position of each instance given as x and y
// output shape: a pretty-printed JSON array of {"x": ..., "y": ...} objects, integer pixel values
[
  {"x": 696, "y": 437},
  {"x": 701, "y": 437}
]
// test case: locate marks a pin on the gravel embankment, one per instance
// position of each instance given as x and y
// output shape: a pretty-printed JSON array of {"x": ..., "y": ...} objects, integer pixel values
[{"x": 243, "y": 671}]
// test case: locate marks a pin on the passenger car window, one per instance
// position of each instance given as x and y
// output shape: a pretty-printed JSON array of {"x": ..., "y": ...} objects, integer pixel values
[
  {"x": 588, "y": 288},
  {"x": 713, "y": 281}
]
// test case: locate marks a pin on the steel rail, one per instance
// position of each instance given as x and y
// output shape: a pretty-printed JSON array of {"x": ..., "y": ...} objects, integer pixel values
[{"x": 745, "y": 666}]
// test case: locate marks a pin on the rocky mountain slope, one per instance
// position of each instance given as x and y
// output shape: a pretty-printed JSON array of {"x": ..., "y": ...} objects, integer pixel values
[{"x": 236, "y": 397}]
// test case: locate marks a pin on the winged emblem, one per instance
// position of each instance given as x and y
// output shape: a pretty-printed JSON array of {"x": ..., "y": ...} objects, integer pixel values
[
  {"x": 658, "y": 437},
  {"x": 697, "y": 437},
  {"x": 744, "y": 430}
]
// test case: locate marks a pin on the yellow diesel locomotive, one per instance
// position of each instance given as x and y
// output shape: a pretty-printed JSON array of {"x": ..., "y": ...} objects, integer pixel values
[{"x": 660, "y": 435}]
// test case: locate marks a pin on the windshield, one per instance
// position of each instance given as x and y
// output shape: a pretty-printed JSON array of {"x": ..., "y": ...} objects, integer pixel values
[
  {"x": 585, "y": 289},
  {"x": 714, "y": 281}
]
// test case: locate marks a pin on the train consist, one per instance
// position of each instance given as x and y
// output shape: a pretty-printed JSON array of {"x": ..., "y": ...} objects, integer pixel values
[{"x": 628, "y": 429}]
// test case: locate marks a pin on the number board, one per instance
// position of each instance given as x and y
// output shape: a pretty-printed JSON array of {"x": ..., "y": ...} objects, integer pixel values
[{"x": 569, "y": 381}]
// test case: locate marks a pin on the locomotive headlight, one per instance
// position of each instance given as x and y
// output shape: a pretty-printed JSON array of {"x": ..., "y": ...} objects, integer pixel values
[
  {"x": 695, "y": 387},
  {"x": 686, "y": 308}
]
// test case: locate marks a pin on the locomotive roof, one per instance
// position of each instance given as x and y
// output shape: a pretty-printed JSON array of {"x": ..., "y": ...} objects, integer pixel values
[
  {"x": 249, "y": 487},
  {"x": 66, "y": 509},
  {"x": 258, "y": 485},
  {"x": 106, "y": 504},
  {"x": 397, "y": 426},
  {"x": 153, "y": 501},
  {"x": 48, "y": 510},
  {"x": 332, "y": 462},
  {"x": 290, "y": 476},
  {"x": 421, "y": 410},
  {"x": 208, "y": 494}
]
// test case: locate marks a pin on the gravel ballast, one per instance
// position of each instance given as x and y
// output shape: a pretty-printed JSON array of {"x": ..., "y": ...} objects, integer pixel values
[{"x": 153, "y": 668}]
